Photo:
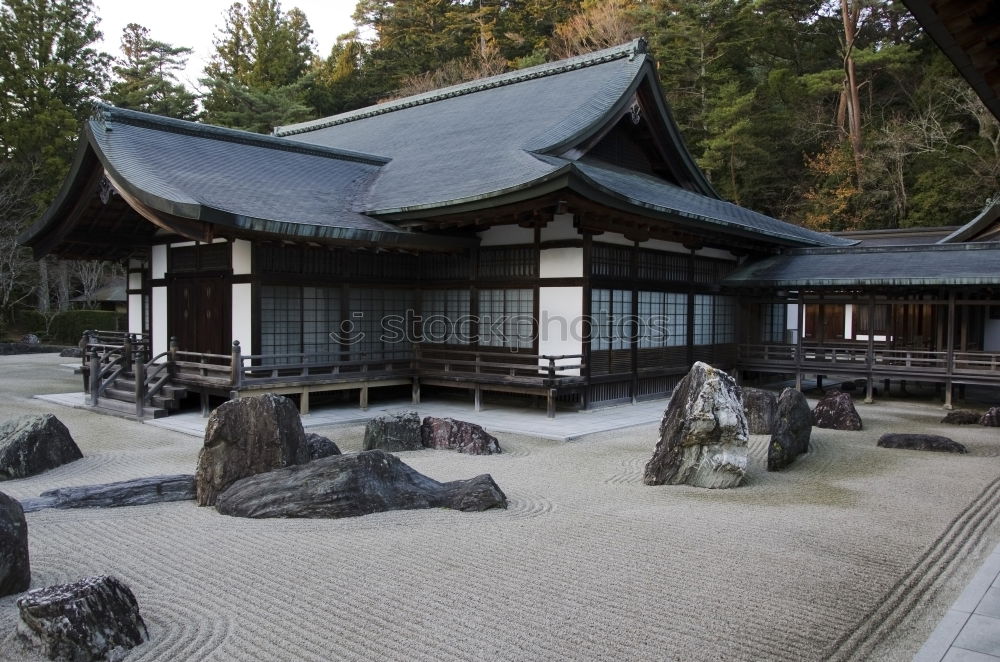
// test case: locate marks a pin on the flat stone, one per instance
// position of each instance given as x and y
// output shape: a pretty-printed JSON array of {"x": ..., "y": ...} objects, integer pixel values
[
  {"x": 836, "y": 412},
  {"x": 245, "y": 437},
  {"x": 15, "y": 569},
  {"x": 920, "y": 442},
  {"x": 393, "y": 433},
  {"x": 703, "y": 434},
  {"x": 760, "y": 406},
  {"x": 30, "y": 445},
  {"x": 137, "y": 492},
  {"x": 351, "y": 485},
  {"x": 96, "y": 618},
  {"x": 465, "y": 437},
  {"x": 962, "y": 417},
  {"x": 792, "y": 430}
]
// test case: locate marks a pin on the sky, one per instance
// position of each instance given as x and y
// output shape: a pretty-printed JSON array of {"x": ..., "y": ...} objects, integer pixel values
[{"x": 193, "y": 23}]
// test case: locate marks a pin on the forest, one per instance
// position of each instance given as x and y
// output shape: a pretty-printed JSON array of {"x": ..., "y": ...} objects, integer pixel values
[{"x": 833, "y": 114}]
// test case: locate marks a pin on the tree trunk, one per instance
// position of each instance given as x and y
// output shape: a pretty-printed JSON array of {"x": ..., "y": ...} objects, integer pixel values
[
  {"x": 62, "y": 286},
  {"x": 851, "y": 14},
  {"x": 43, "y": 286}
]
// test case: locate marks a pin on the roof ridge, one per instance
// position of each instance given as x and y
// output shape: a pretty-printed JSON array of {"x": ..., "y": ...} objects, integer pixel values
[
  {"x": 628, "y": 50},
  {"x": 105, "y": 115}
]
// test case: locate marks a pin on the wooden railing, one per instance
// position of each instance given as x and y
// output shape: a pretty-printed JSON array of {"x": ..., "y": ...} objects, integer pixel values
[
  {"x": 547, "y": 369},
  {"x": 858, "y": 357}
]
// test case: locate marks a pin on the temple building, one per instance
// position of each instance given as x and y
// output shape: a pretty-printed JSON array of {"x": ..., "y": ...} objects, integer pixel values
[{"x": 543, "y": 232}]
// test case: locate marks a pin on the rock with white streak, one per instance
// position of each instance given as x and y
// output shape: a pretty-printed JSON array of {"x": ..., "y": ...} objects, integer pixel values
[{"x": 703, "y": 435}]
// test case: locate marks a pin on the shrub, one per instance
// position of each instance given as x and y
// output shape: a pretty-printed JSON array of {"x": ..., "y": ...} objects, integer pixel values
[{"x": 67, "y": 327}]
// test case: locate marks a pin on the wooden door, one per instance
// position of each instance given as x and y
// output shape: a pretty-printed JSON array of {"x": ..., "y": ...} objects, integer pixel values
[{"x": 200, "y": 314}]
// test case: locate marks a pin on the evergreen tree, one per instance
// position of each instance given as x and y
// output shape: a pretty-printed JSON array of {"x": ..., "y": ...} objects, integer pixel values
[
  {"x": 146, "y": 76},
  {"x": 49, "y": 73},
  {"x": 261, "y": 56}
]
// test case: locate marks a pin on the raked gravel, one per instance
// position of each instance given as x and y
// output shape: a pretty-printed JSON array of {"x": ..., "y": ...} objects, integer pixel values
[{"x": 853, "y": 551}]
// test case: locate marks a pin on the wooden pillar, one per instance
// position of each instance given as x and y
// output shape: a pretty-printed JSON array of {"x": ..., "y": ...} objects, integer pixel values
[
  {"x": 950, "y": 361},
  {"x": 364, "y": 397},
  {"x": 870, "y": 358},
  {"x": 478, "y": 397},
  {"x": 304, "y": 401},
  {"x": 416, "y": 391},
  {"x": 550, "y": 401},
  {"x": 798, "y": 347}
]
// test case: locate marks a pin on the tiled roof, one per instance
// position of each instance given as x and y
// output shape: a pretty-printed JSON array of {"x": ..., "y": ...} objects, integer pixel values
[
  {"x": 926, "y": 265},
  {"x": 657, "y": 195}
]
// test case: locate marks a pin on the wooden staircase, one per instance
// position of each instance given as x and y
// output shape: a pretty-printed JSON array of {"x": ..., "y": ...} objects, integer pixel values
[{"x": 120, "y": 397}]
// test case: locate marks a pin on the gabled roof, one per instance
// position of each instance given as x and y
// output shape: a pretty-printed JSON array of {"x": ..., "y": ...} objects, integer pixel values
[
  {"x": 487, "y": 141},
  {"x": 885, "y": 266},
  {"x": 987, "y": 223}
]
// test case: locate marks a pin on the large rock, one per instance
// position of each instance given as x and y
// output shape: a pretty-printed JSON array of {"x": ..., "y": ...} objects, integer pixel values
[
  {"x": 245, "y": 437},
  {"x": 351, "y": 485},
  {"x": 137, "y": 492},
  {"x": 96, "y": 618},
  {"x": 465, "y": 437},
  {"x": 760, "y": 406},
  {"x": 921, "y": 442},
  {"x": 320, "y": 446},
  {"x": 396, "y": 432},
  {"x": 791, "y": 430},
  {"x": 15, "y": 571},
  {"x": 836, "y": 412},
  {"x": 703, "y": 435},
  {"x": 30, "y": 445},
  {"x": 991, "y": 418},
  {"x": 962, "y": 417}
]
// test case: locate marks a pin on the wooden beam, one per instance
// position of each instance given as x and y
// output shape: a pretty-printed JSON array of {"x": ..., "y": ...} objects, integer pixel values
[{"x": 184, "y": 227}]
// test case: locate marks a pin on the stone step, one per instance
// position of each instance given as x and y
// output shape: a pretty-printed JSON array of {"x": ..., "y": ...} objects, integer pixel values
[{"x": 120, "y": 408}]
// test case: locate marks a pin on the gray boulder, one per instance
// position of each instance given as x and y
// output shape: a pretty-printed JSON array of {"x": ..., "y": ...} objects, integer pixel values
[
  {"x": 352, "y": 485},
  {"x": 836, "y": 412},
  {"x": 245, "y": 437},
  {"x": 30, "y": 445},
  {"x": 15, "y": 570},
  {"x": 96, "y": 618},
  {"x": 320, "y": 446},
  {"x": 703, "y": 435},
  {"x": 465, "y": 437},
  {"x": 137, "y": 492},
  {"x": 760, "y": 406},
  {"x": 396, "y": 432},
  {"x": 962, "y": 417},
  {"x": 991, "y": 418},
  {"x": 792, "y": 430},
  {"x": 921, "y": 442}
]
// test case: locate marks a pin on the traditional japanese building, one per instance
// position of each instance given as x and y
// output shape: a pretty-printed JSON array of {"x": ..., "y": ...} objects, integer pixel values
[{"x": 542, "y": 232}]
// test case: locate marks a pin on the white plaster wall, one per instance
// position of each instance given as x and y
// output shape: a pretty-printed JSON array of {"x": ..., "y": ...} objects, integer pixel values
[
  {"x": 612, "y": 238},
  {"x": 242, "y": 316},
  {"x": 505, "y": 235},
  {"x": 135, "y": 313},
  {"x": 561, "y": 263},
  {"x": 183, "y": 244},
  {"x": 560, "y": 324},
  {"x": 668, "y": 246},
  {"x": 242, "y": 262},
  {"x": 848, "y": 321},
  {"x": 991, "y": 336},
  {"x": 560, "y": 227},
  {"x": 159, "y": 261},
  {"x": 159, "y": 321}
]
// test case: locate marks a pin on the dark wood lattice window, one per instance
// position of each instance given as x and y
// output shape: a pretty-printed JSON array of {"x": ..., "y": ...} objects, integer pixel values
[
  {"x": 506, "y": 318},
  {"x": 660, "y": 266},
  {"x": 611, "y": 261},
  {"x": 508, "y": 262},
  {"x": 203, "y": 257}
]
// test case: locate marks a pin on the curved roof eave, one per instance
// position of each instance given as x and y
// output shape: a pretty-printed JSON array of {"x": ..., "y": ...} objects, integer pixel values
[
  {"x": 195, "y": 211},
  {"x": 580, "y": 180},
  {"x": 84, "y": 159}
]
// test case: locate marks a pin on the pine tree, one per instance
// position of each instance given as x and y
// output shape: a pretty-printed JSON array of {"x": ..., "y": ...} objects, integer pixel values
[
  {"x": 261, "y": 57},
  {"x": 146, "y": 76}
]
